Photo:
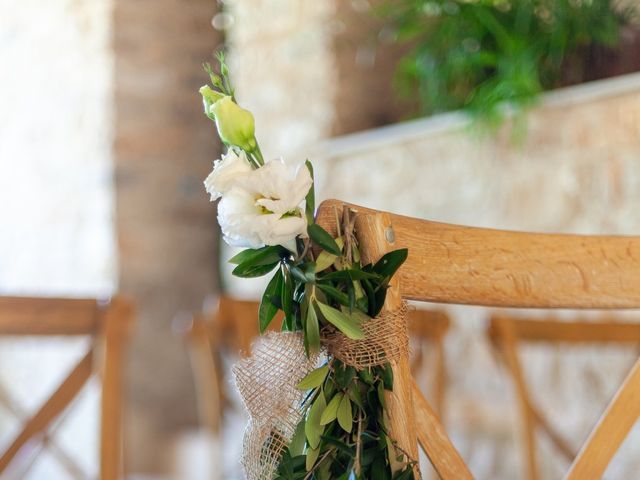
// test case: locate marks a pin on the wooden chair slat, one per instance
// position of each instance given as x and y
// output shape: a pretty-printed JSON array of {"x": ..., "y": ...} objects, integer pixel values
[
  {"x": 574, "y": 331},
  {"x": 106, "y": 321},
  {"x": 50, "y": 410},
  {"x": 435, "y": 442},
  {"x": 48, "y": 316},
  {"x": 402, "y": 426},
  {"x": 479, "y": 266},
  {"x": 612, "y": 428}
]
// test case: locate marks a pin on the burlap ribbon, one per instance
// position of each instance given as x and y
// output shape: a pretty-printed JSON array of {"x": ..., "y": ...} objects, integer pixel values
[
  {"x": 386, "y": 340},
  {"x": 267, "y": 382}
]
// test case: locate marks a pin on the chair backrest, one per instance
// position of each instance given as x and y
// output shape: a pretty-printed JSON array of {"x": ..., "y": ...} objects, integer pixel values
[
  {"x": 430, "y": 326},
  {"x": 507, "y": 332},
  {"x": 477, "y": 266},
  {"x": 107, "y": 323},
  {"x": 232, "y": 326}
]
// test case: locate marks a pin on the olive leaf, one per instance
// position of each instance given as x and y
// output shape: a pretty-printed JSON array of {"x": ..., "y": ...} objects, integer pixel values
[
  {"x": 325, "y": 260},
  {"x": 321, "y": 237},
  {"x": 347, "y": 324},
  {"x": 314, "y": 379},
  {"x": 267, "y": 309},
  {"x": 312, "y": 427},
  {"x": 331, "y": 412},
  {"x": 310, "y": 199},
  {"x": 345, "y": 414}
]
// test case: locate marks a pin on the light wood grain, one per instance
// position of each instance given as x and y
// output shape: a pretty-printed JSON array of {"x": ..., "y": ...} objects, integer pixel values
[
  {"x": 117, "y": 322},
  {"x": 435, "y": 442},
  {"x": 370, "y": 230},
  {"x": 48, "y": 316},
  {"x": 431, "y": 326},
  {"x": 507, "y": 331},
  {"x": 51, "y": 409},
  {"x": 574, "y": 331},
  {"x": 478, "y": 266},
  {"x": 613, "y": 427},
  {"x": 207, "y": 374}
]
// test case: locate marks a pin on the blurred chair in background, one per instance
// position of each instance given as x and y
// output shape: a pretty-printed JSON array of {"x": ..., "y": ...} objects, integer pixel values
[
  {"x": 508, "y": 332},
  {"x": 108, "y": 324},
  {"x": 476, "y": 266},
  {"x": 233, "y": 326},
  {"x": 430, "y": 326},
  {"x": 230, "y": 328}
]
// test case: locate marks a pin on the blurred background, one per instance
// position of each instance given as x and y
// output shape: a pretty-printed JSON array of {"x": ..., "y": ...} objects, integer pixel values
[{"x": 518, "y": 115}]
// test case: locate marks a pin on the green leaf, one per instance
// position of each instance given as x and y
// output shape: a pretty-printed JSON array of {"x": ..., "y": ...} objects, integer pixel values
[
  {"x": 312, "y": 329},
  {"x": 310, "y": 199},
  {"x": 325, "y": 260},
  {"x": 320, "y": 237},
  {"x": 381, "y": 398},
  {"x": 267, "y": 309},
  {"x": 354, "y": 394},
  {"x": 312, "y": 428},
  {"x": 331, "y": 412},
  {"x": 351, "y": 275},
  {"x": 304, "y": 273},
  {"x": 247, "y": 270},
  {"x": 296, "y": 447},
  {"x": 345, "y": 414},
  {"x": 261, "y": 256},
  {"x": 314, "y": 379},
  {"x": 334, "y": 293},
  {"x": 312, "y": 456},
  {"x": 390, "y": 262},
  {"x": 345, "y": 323},
  {"x": 287, "y": 295},
  {"x": 387, "y": 376}
]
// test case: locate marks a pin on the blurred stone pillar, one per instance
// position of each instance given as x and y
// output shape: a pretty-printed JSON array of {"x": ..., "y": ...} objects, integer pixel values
[{"x": 166, "y": 226}]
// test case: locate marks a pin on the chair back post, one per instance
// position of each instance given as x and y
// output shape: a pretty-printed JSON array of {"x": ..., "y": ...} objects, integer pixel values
[
  {"x": 117, "y": 319},
  {"x": 376, "y": 237}
]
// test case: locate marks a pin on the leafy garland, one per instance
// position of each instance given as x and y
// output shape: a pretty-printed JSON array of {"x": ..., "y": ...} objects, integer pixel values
[{"x": 321, "y": 286}]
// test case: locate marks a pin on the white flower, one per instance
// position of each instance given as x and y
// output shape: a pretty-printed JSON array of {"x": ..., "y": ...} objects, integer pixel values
[
  {"x": 225, "y": 172},
  {"x": 263, "y": 206}
]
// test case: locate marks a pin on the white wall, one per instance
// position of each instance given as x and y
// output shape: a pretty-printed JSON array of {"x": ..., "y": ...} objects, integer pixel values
[
  {"x": 56, "y": 197},
  {"x": 577, "y": 171},
  {"x": 56, "y": 202}
]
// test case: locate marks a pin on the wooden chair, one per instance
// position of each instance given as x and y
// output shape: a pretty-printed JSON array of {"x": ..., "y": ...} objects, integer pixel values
[
  {"x": 508, "y": 332},
  {"x": 232, "y": 326},
  {"x": 463, "y": 265},
  {"x": 108, "y": 324},
  {"x": 430, "y": 327}
]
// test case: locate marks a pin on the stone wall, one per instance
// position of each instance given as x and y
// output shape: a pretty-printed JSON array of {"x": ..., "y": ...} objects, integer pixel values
[
  {"x": 167, "y": 234},
  {"x": 577, "y": 171}
]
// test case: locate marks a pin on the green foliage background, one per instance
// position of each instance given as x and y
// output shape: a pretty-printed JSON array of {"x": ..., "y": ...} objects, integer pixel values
[{"x": 479, "y": 55}]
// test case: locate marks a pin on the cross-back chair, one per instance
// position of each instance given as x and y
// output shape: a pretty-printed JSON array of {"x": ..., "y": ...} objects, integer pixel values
[
  {"x": 233, "y": 326},
  {"x": 507, "y": 332},
  {"x": 431, "y": 327},
  {"x": 107, "y": 323},
  {"x": 477, "y": 266}
]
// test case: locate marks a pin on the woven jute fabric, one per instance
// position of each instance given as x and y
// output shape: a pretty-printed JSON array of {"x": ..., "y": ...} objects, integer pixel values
[
  {"x": 386, "y": 340},
  {"x": 267, "y": 384}
]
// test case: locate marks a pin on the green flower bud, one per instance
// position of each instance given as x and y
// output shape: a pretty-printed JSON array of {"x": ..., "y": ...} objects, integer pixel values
[
  {"x": 209, "y": 98},
  {"x": 235, "y": 124}
]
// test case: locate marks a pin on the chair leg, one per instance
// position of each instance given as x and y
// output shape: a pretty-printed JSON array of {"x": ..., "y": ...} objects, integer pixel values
[
  {"x": 612, "y": 428},
  {"x": 53, "y": 407},
  {"x": 116, "y": 320},
  {"x": 435, "y": 442}
]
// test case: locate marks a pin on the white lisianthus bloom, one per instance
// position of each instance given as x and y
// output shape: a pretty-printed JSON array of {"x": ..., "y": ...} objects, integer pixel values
[
  {"x": 225, "y": 172},
  {"x": 263, "y": 206}
]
